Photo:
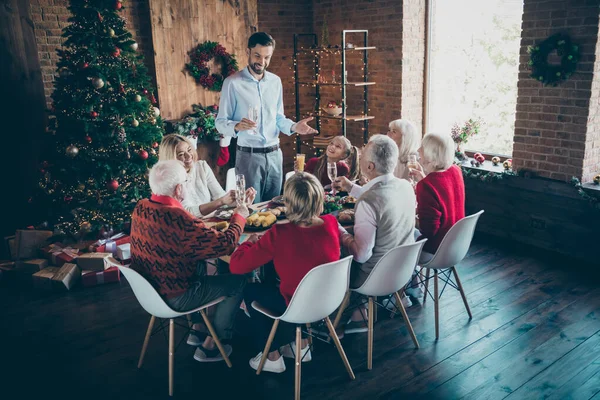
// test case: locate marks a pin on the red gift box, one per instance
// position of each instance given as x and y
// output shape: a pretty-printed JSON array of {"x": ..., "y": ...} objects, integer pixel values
[
  {"x": 101, "y": 248},
  {"x": 63, "y": 256},
  {"x": 109, "y": 275}
]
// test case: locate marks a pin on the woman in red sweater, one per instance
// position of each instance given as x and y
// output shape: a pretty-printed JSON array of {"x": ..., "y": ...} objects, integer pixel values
[
  {"x": 440, "y": 189},
  {"x": 341, "y": 152},
  {"x": 294, "y": 248}
]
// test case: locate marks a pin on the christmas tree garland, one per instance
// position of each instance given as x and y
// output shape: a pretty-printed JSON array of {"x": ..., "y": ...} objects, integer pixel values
[
  {"x": 485, "y": 176},
  {"x": 550, "y": 74},
  {"x": 198, "y": 65}
]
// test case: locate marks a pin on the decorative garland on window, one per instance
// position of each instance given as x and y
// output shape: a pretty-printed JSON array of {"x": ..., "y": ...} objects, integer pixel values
[
  {"x": 592, "y": 200},
  {"x": 198, "y": 68},
  {"x": 550, "y": 74},
  {"x": 486, "y": 176}
]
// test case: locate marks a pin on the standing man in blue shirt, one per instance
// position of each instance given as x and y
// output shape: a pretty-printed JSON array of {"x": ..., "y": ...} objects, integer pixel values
[{"x": 251, "y": 109}]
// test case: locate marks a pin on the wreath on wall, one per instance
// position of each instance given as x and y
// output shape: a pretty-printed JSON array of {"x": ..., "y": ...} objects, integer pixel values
[
  {"x": 198, "y": 65},
  {"x": 553, "y": 74}
]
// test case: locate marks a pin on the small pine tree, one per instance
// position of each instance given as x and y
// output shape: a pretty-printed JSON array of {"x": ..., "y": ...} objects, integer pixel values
[{"x": 107, "y": 129}]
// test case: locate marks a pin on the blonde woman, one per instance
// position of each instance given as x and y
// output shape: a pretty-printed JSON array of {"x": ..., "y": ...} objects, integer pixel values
[
  {"x": 340, "y": 151},
  {"x": 406, "y": 136},
  {"x": 204, "y": 194},
  {"x": 308, "y": 241}
]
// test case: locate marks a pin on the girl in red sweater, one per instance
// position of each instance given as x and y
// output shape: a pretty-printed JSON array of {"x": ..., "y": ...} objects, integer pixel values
[
  {"x": 341, "y": 152},
  {"x": 440, "y": 189},
  {"x": 295, "y": 248}
]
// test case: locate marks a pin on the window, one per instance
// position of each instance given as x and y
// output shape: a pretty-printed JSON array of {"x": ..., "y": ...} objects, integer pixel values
[{"x": 473, "y": 69}]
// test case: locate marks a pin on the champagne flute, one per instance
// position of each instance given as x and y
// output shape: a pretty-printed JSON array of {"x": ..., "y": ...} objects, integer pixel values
[
  {"x": 253, "y": 115},
  {"x": 332, "y": 174},
  {"x": 240, "y": 189},
  {"x": 412, "y": 164}
]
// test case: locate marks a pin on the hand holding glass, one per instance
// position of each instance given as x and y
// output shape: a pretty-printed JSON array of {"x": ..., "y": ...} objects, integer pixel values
[
  {"x": 240, "y": 188},
  {"x": 253, "y": 115},
  {"x": 412, "y": 164},
  {"x": 332, "y": 174}
]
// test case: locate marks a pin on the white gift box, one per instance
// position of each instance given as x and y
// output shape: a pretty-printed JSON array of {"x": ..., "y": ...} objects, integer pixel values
[{"x": 124, "y": 251}]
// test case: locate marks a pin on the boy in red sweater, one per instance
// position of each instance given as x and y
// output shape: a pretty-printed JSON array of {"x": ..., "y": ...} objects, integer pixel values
[{"x": 294, "y": 248}]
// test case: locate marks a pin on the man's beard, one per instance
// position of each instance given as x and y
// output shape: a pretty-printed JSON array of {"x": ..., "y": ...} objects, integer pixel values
[{"x": 253, "y": 68}]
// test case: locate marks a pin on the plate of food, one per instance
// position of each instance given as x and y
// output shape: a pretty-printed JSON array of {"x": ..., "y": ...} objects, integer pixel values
[
  {"x": 260, "y": 221},
  {"x": 346, "y": 217},
  {"x": 279, "y": 212},
  {"x": 348, "y": 201},
  {"x": 224, "y": 213},
  {"x": 278, "y": 200},
  {"x": 331, "y": 204}
]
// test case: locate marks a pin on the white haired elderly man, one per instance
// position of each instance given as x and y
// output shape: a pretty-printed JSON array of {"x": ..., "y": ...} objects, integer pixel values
[
  {"x": 384, "y": 214},
  {"x": 167, "y": 242}
]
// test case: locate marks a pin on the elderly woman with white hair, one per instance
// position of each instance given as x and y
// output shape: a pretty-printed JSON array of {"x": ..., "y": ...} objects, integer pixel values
[
  {"x": 440, "y": 189},
  {"x": 406, "y": 136}
]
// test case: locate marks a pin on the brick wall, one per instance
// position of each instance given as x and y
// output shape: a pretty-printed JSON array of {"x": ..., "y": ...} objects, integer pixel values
[
  {"x": 591, "y": 161},
  {"x": 551, "y": 122},
  {"x": 51, "y": 16}
]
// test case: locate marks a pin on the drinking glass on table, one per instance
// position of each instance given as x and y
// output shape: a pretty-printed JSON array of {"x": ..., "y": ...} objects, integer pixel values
[
  {"x": 240, "y": 189},
  {"x": 253, "y": 115},
  {"x": 412, "y": 164},
  {"x": 300, "y": 158},
  {"x": 332, "y": 174}
]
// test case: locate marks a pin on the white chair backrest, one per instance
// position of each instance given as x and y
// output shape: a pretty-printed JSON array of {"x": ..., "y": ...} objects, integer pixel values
[
  {"x": 230, "y": 180},
  {"x": 148, "y": 297},
  {"x": 289, "y": 175},
  {"x": 455, "y": 244},
  {"x": 319, "y": 293},
  {"x": 393, "y": 271}
]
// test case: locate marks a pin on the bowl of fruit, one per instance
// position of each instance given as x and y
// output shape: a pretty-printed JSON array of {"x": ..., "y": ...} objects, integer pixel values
[{"x": 333, "y": 109}]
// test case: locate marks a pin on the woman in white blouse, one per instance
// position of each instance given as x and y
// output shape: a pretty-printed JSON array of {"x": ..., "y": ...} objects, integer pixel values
[
  {"x": 405, "y": 134},
  {"x": 204, "y": 194}
]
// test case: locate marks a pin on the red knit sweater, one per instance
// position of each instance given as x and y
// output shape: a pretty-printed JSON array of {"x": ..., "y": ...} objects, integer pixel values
[
  {"x": 440, "y": 204},
  {"x": 167, "y": 242},
  {"x": 294, "y": 251},
  {"x": 311, "y": 166}
]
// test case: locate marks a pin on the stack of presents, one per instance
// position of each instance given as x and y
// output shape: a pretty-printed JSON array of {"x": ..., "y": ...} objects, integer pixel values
[{"x": 36, "y": 258}]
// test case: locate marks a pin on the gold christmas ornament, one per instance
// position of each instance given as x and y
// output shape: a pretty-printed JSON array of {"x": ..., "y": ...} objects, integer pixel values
[
  {"x": 135, "y": 123},
  {"x": 152, "y": 121},
  {"x": 85, "y": 227},
  {"x": 156, "y": 112},
  {"x": 98, "y": 83},
  {"x": 111, "y": 32},
  {"x": 153, "y": 152},
  {"x": 134, "y": 46},
  {"x": 495, "y": 160},
  {"x": 138, "y": 98},
  {"x": 81, "y": 187},
  {"x": 507, "y": 164},
  {"x": 72, "y": 151}
]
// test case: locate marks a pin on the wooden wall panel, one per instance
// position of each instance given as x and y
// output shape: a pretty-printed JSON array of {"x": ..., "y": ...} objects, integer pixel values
[{"x": 179, "y": 25}]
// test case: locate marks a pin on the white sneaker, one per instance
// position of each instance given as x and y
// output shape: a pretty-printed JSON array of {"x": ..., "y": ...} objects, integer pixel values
[
  {"x": 203, "y": 355},
  {"x": 390, "y": 303},
  {"x": 287, "y": 352},
  {"x": 277, "y": 366},
  {"x": 415, "y": 292}
]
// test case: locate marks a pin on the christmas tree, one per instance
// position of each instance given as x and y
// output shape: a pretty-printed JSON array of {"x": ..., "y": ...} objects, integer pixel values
[{"x": 107, "y": 129}]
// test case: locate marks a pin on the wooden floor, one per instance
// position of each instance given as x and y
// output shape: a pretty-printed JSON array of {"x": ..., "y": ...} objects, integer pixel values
[{"x": 535, "y": 334}]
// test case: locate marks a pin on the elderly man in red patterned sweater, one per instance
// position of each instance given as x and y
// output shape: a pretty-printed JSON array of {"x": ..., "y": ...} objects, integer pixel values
[{"x": 167, "y": 243}]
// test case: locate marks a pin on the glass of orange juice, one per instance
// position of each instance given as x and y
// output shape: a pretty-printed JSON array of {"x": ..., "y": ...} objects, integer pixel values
[{"x": 300, "y": 158}]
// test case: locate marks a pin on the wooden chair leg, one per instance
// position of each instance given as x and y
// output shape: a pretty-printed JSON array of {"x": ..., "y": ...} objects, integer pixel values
[
  {"x": 343, "y": 307},
  {"x": 426, "y": 285},
  {"x": 462, "y": 292},
  {"x": 338, "y": 345},
  {"x": 370, "y": 318},
  {"x": 309, "y": 330},
  {"x": 146, "y": 340},
  {"x": 171, "y": 354},
  {"x": 213, "y": 334},
  {"x": 406, "y": 320},
  {"x": 298, "y": 361},
  {"x": 436, "y": 302},
  {"x": 267, "y": 347}
]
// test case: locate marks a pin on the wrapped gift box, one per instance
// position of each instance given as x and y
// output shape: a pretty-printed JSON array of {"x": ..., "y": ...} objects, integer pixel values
[
  {"x": 30, "y": 267},
  {"x": 28, "y": 243},
  {"x": 11, "y": 251},
  {"x": 124, "y": 252},
  {"x": 91, "y": 278},
  {"x": 43, "y": 279},
  {"x": 46, "y": 251},
  {"x": 113, "y": 243},
  {"x": 66, "y": 255},
  {"x": 94, "y": 261},
  {"x": 7, "y": 269},
  {"x": 67, "y": 277}
]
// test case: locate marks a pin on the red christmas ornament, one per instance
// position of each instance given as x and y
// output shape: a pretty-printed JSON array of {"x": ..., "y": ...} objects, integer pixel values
[
  {"x": 94, "y": 114},
  {"x": 143, "y": 154},
  {"x": 155, "y": 144},
  {"x": 117, "y": 52},
  {"x": 68, "y": 199},
  {"x": 118, "y": 5},
  {"x": 88, "y": 139},
  {"x": 145, "y": 91},
  {"x": 121, "y": 88},
  {"x": 84, "y": 65},
  {"x": 112, "y": 185}
]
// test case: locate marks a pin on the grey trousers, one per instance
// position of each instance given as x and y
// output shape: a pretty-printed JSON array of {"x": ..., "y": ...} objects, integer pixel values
[
  {"x": 263, "y": 172},
  {"x": 207, "y": 289}
]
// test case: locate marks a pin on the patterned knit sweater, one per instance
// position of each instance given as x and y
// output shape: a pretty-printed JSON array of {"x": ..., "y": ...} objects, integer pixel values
[{"x": 167, "y": 243}]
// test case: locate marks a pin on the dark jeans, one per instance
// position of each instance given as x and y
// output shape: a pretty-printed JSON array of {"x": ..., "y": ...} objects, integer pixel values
[
  {"x": 270, "y": 298},
  {"x": 207, "y": 289}
]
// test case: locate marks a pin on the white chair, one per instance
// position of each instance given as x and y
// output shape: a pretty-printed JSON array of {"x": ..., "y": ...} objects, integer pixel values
[
  {"x": 289, "y": 175},
  {"x": 389, "y": 276},
  {"x": 452, "y": 250},
  {"x": 230, "y": 180},
  {"x": 319, "y": 294},
  {"x": 151, "y": 301}
]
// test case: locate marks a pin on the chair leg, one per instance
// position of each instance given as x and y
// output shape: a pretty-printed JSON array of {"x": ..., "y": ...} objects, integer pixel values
[
  {"x": 267, "y": 347},
  {"x": 343, "y": 307},
  {"x": 406, "y": 320},
  {"x": 146, "y": 340},
  {"x": 436, "y": 304},
  {"x": 370, "y": 318},
  {"x": 338, "y": 345},
  {"x": 298, "y": 361},
  {"x": 190, "y": 323},
  {"x": 375, "y": 310},
  {"x": 462, "y": 292},
  {"x": 171, "y": 354},
  {"x": 309, "y": 338},
  {"x": 213, "y": 334},
  {"x": 426, "y": 285}
]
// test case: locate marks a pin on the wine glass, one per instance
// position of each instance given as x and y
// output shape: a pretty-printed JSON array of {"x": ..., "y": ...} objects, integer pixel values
[
  {"x": 332, "y": 174},
  {"x": 412, "y": 164},
  {"x": 253, "y": 115},
  {"x": 240, "y": 189}
]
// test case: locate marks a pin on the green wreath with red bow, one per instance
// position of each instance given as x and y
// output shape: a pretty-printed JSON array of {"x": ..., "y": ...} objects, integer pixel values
[
  {"x": 198, "y": 65},
  {"x": 553, "y": 74}
]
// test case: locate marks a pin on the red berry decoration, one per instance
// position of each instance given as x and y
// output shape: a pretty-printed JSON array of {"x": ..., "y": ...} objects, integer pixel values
[
  {"x": 84, "y": 65},
  {"x": 153, "y": 99},
  {"x": 145, "y": 91},
  {"x": 143, "y": 154},
  {"x": 112, "y": 185},
  {"x": 88, "y": 139},
  {"x": 118, "y": 5},
  {"x": 121, "y": 88},
  {"x": 68, "y": 199},
  {"x": 117, "y": 52},
  {"x": 155, "y": 144},
  {"x": 94, "y": 114}
]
